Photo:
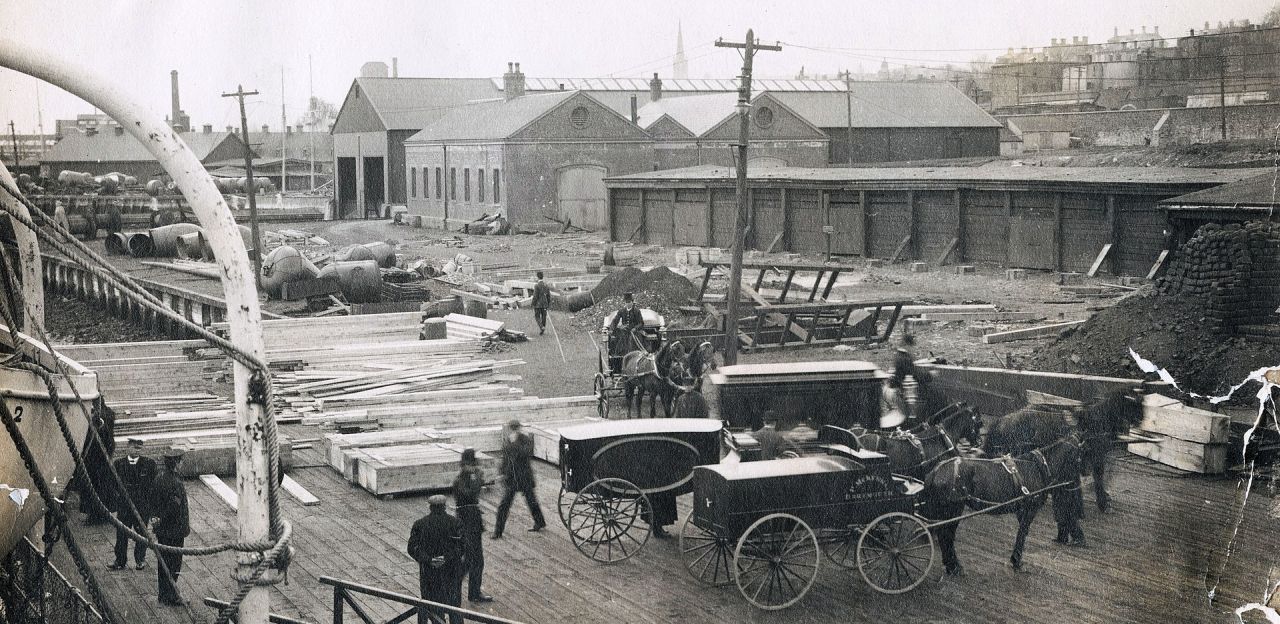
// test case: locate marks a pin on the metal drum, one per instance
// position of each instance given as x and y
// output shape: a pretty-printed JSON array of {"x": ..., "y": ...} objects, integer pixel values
[
  {"x": 360, "y": 281},
  {"x": 285, "y": 264}
]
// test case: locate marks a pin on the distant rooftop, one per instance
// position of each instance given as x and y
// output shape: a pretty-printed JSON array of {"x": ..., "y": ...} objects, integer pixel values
[{"x": 1256, "y": 192}]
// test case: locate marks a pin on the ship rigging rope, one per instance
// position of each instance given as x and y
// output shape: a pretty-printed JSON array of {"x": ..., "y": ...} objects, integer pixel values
[{"x": 275, "y": 548}]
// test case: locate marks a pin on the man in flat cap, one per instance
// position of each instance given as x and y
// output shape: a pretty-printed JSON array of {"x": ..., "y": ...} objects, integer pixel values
[
  {"x": 517, "y": 476},
  {"x": 137, "y": 473},
  {"x": 466, "y": 497},
  {"x": 169, "y": 509},
  {"x": 435, "y": 542},
  {"x": 622, "y": 332}
]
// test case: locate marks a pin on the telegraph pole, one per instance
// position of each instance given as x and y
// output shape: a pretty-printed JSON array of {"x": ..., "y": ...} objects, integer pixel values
[
  {"x": 848, "y": 110},
  {"x": 250, "y": 191},
  {"x": 13, "y": 136},
  {"x": 749, "y": 49},
  {"x": 1222, "y": 95}
]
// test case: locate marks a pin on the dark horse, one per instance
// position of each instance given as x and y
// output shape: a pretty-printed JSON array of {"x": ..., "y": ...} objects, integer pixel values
[
  {"x": 1098, "y": 425},
  {"x": 1016, "y": 483},
  {"x": 652, "y": 373},
  {"x": 915, "y": 452},
  {"x": 689, "y": 401}
]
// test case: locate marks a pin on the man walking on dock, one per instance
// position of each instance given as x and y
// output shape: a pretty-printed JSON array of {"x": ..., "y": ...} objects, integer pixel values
[
  {"x": 169, "y": 508},
  {"x": 517, "y": 475},
  {"x": 435, "y": 542},
  {"x": 466, "y": 497},
  {"x": 541, "y": 301},
  {"x": 137, "y": 474}
]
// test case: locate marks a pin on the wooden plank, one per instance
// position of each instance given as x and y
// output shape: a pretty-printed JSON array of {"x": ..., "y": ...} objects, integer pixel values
[
  {"x": 901, "y": 246},
  {"x": 1155, "y": 268},
  {"x": 1029, "y": 333},
  {"x": 944, "y": 317},
  {"x": 296, "y": 490},
  {"x": 1097, "y": 262},
  {"x": 946, "y": 252},
  {"x": 1044, "y": 398},
  {"x": 1184, "y": 455},
  {"x": 1186, "y": 423},
  {"x": 223, "y": 490},
  {"x": 774, "y": 243}
]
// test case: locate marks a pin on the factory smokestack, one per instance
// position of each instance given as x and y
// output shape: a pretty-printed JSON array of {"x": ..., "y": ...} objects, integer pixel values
[{"x": 173, "y": 91}]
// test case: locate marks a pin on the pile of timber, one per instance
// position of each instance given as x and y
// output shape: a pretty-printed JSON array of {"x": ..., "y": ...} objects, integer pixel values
[
  {"x": 207, "y": 450},
  {"x": 463, "y": 327},
  {"x": 143, "y": 378},
  {"x": 1192, "y": 439},
  {"x": 412, "y": 468}
]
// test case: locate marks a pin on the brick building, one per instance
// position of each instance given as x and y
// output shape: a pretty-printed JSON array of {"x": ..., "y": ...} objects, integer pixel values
[
  {"x": 536, "y": 159},
  {"x": 703, "y": 130},
  {"x": 114, "y": 150}
]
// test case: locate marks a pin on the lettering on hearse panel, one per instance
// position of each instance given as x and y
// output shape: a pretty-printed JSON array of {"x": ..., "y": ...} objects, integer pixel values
[{"x": 867, "y": 486}]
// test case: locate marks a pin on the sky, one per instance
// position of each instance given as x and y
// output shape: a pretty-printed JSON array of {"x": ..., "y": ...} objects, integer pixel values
[{"x": 320, "y": 46}]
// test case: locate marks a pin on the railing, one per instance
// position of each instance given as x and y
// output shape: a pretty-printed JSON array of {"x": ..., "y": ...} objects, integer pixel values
[
  {"x": 345, "y": 593},
  {"x": 35, "y": 591},
  {"x": 278, "y": 619}
]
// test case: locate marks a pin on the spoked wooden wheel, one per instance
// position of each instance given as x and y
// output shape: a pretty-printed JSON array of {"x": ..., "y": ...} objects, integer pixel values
[
  {"x": 609, "y": 520},
  {"x": 563, "y": 502},
  {"x": 842, "y": 547},
  {"x": 601, "y": 388},
  {"x": 776, "y": 561},
  {"x": 895, "y": 553},
  {"x": 706, "y": 556}
]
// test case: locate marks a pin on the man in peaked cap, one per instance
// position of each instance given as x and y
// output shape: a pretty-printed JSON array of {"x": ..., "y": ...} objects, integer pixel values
[
  {"x": 435, "y": 542},
  {"x": 137, "y": 473},
  {"x": 466, "y": 497},
  {"x": 517, "y": 476},
  {"x": 169, "y": 509}
]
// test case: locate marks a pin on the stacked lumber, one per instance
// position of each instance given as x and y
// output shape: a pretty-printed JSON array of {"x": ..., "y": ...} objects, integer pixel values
[
  {"x": 207, "y": 451},
  {"x": 412, "y": 468},
  {"x": 1193, "y": 439},
  {"x": 337, "y": 448},
  {"x": 382, "y": 387},
  {"x": 142, "y": 377},
  {"x": 446, "y": 416},
  {"x": 462, "y": 327}
]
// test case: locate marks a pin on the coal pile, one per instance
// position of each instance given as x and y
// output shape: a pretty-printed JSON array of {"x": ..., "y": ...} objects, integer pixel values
[
  {"x": 659, "y": 289},
  {"x": 1200, "y": 321}
]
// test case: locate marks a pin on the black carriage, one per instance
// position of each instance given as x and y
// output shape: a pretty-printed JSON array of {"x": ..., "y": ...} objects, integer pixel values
[
  {"x": 843, "y": 393},
  {"x": 608, "y": 470},
  {"x": 609, "y": 382},
  {"x": 761, "y": 525}
]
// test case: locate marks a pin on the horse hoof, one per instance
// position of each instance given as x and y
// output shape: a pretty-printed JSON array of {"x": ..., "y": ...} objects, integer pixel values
[
  {"x": 1016, "y": 565},
  {"x": 1080, "y": 543},
  {"x": 1061, "y": 540},
  {"x": 956, "y": 571}
]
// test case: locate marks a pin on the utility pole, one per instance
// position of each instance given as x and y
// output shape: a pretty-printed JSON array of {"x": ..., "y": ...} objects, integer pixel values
[
  {"x": 848, "y": 109},
  {"x": 1221, "y": 93},
  {"x": 13, "y": 136},
  {"x": 284, "y": 139},
  {"x": 749, "y": 49},
  {"x": 252, "y": 192},
  {"x": 311, "y": 121}
]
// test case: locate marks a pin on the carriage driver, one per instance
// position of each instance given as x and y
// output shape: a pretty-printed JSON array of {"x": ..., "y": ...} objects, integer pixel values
[{"x": 629, "y": 320}]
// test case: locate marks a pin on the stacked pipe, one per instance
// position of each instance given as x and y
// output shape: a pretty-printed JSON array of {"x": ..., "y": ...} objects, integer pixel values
[{"x": 1236, "y": 267}]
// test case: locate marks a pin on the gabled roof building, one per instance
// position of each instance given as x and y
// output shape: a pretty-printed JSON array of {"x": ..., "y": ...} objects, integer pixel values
[
  {"x": 102, "y": 152},
  {"x": 703, "y": 130}
]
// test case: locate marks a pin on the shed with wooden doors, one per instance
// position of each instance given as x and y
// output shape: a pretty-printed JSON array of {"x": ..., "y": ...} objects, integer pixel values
[{"x": 1052, "y": 218}]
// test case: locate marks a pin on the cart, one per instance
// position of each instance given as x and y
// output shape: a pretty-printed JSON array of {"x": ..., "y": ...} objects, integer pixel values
[
  {"x": 609, "y": 469},
  {"x": 764, "y": 525},
  {"x": 608, "y": 385}
]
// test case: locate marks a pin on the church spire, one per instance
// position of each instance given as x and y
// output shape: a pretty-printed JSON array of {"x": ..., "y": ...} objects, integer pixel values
[{"x": 680, "y": 67}]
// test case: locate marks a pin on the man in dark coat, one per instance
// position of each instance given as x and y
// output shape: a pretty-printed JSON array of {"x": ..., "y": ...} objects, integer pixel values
[
  {"x": 137, "y": 474},
  {"x": 169, "y": 508},
  {"x": 517, "y": 476},
  {"x": 435, "y": 542},
  {"x": 466, "y": 497},
  {"x": 541, "y": 301},
  {"x": 97, "y": 463},
  {"x": 622, "y": 332}
]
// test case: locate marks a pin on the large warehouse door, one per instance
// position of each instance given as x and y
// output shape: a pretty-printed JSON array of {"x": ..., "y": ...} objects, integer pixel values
[
  {"x": 805, "y": 233},
  {"x": 626, "y": 215},
  {"x": 846, "y": 220},
  {"x": 1084, "y": 230},
  {"x": 375, "y": 193},
  {"x": 657, "y": 217},
  {"x": 768, "y": 218},
  {"x": 985, "y": 226},
  {"x": 580, "y": 196},
  {"x": 724, "y": 208},
  {"x": 690, "y": 218},
  {"x": 1141, "y": 235},
  {"x": 887, "y": 216},
  {"x": 1031, "y": 232},
  {"x": 936, "y": 222},
  {"x": 346, "y": 187}
]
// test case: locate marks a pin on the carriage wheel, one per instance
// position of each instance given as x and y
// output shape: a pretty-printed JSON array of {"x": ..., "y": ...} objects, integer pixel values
[
  {"x": 601, "y": 387},
  {"x": 706, "y": 556},
  {"x": 843, "y": 547},
  {"x": 895, "y": 553},
  {"x": 776, "y": 561},
  {"x": 609, "y": 520},
  {"x": 563, "y": 502}
]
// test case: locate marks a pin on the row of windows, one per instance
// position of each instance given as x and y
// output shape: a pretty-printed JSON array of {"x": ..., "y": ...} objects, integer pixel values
[{"x": 480, "y": 187}]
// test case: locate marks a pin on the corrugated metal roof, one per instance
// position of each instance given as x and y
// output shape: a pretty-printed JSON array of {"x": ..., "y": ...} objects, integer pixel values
[
  {"x": 110, "y": 147},
  {"x": 668, "y": 84},
  {"x": 267, "y": 144},
  {"x": 413, "y": 103},
  {"x": 1084, "y": 175},
  {"x": 1256, "y": 191},
  {"x": 494, "y": 119},
  {"x": 889, "y": 105},
  {"x": 697, "y": 113}
]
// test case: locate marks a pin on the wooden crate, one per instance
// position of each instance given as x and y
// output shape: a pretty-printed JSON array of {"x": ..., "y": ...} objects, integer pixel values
[
  {"x": 1193, "y": 439},
  {"x": 334, "y": 447},
  {"x": 413, "y": 468}
]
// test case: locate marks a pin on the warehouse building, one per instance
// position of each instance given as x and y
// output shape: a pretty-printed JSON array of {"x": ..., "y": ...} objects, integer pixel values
[
  {"x": 896, "y": 121},
  {"x": 1253, "y": 199},
  {"x": 703, "y": 130},
  {"x": 114, "y": 150},
  {"x": 1055, "y": 218},
  {"x": 539, "y": 160}
]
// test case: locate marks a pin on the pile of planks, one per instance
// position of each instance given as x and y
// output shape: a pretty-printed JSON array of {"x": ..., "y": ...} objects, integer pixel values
[
  {"x": 1194, "y": 440},
  {"x": 463, "y": 327},
  {"x": 144, "y": 378},
  {"x": 208, "y": 450}
]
